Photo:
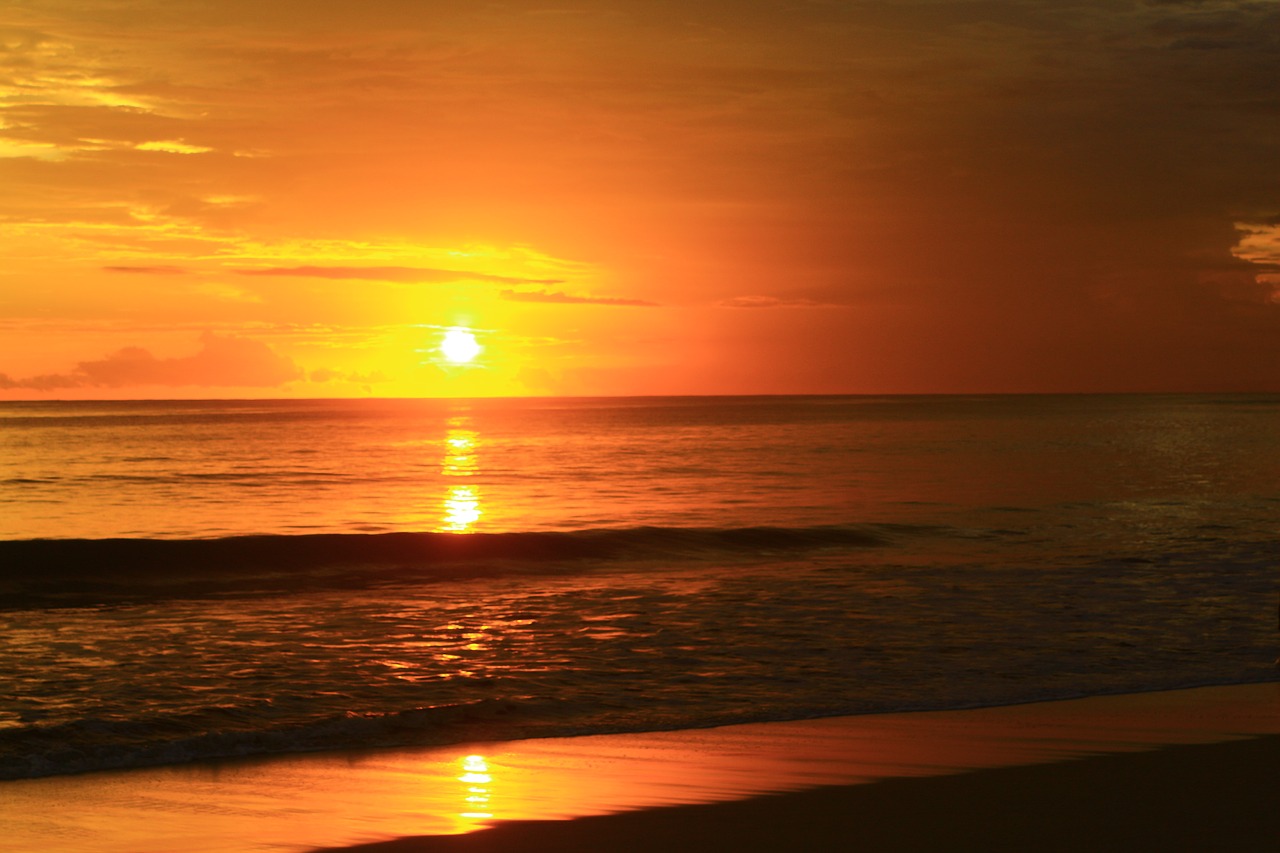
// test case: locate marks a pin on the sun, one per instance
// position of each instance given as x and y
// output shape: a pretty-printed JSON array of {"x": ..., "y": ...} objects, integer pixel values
[{"x": 459, "y": 346}]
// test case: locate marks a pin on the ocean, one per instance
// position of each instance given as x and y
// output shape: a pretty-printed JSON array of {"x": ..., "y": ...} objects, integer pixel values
[{"x": 201, "y": 579}]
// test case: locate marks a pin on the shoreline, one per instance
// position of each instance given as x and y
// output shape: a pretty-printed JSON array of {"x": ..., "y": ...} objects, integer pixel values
[{"x": 596, "y": 791}]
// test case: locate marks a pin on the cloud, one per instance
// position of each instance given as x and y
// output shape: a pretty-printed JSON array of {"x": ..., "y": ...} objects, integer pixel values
[
  {"x": 412, "y": 275},
  {"x": 157, "y": 269},
  {"x": 1260, "y": 245},
  {"x": 770, "y": 302},
  {"x": 172, "y": 146},
  {"x": 328, "y": 374},
  {"x": 222, "y": 361},
  {"x": 551, "y": 296},
  {"x": 45, "y": 382}
]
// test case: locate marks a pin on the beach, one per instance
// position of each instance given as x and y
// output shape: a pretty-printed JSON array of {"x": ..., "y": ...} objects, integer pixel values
[
  {"x": 1188, "y": 769},
  {"x": 640, "y": 425}
]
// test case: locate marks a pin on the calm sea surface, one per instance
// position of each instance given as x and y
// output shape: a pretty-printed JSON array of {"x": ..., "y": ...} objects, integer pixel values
[{"x": 195, "y": 579}]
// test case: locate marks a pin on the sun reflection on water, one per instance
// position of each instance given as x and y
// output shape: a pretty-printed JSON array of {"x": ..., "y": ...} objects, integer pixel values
[
  {"x": 460, "y": 452},
  {"x": 460, "y": 506},
  {"x": 461, "y": 509}
]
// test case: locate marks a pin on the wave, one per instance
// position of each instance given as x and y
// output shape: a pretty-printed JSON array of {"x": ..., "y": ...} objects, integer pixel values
[
  {"x": 72, "y": 572},
  {"x": 230, "y": 732},
  {"x": 260, "y": 728}
]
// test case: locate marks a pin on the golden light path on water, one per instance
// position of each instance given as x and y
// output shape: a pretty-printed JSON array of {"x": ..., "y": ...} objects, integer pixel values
[{"x": 460, "y": 507}]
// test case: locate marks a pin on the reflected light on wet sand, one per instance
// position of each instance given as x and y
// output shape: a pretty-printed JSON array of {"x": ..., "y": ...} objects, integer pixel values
[{"x": 477, "y": 795}]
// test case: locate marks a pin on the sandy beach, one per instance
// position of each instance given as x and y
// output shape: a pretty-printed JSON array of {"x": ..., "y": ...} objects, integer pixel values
[{"x": 1189, "y": 769}]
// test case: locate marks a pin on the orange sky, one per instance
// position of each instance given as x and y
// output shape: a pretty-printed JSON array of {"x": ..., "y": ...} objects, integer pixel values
[{"x": 252, "y": 198}]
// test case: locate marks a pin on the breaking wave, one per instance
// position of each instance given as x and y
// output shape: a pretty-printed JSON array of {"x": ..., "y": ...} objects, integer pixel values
[{"x": 50, "y": 572}]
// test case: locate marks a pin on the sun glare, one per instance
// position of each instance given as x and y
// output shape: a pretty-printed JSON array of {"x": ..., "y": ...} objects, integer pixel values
[{"x": 459, "y": 346}]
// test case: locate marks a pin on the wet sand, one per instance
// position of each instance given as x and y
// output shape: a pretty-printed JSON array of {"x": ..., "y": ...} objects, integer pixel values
[
  {"x": 1179, "y": 770},
  {"x": 1203, "y": 797}
]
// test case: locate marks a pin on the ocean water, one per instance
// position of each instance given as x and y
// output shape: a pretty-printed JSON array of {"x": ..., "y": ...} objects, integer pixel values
[{"x": 185, "y": 580}]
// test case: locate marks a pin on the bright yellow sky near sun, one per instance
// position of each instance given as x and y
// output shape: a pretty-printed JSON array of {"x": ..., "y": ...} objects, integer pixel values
[{"x": 241, "y": 199}]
